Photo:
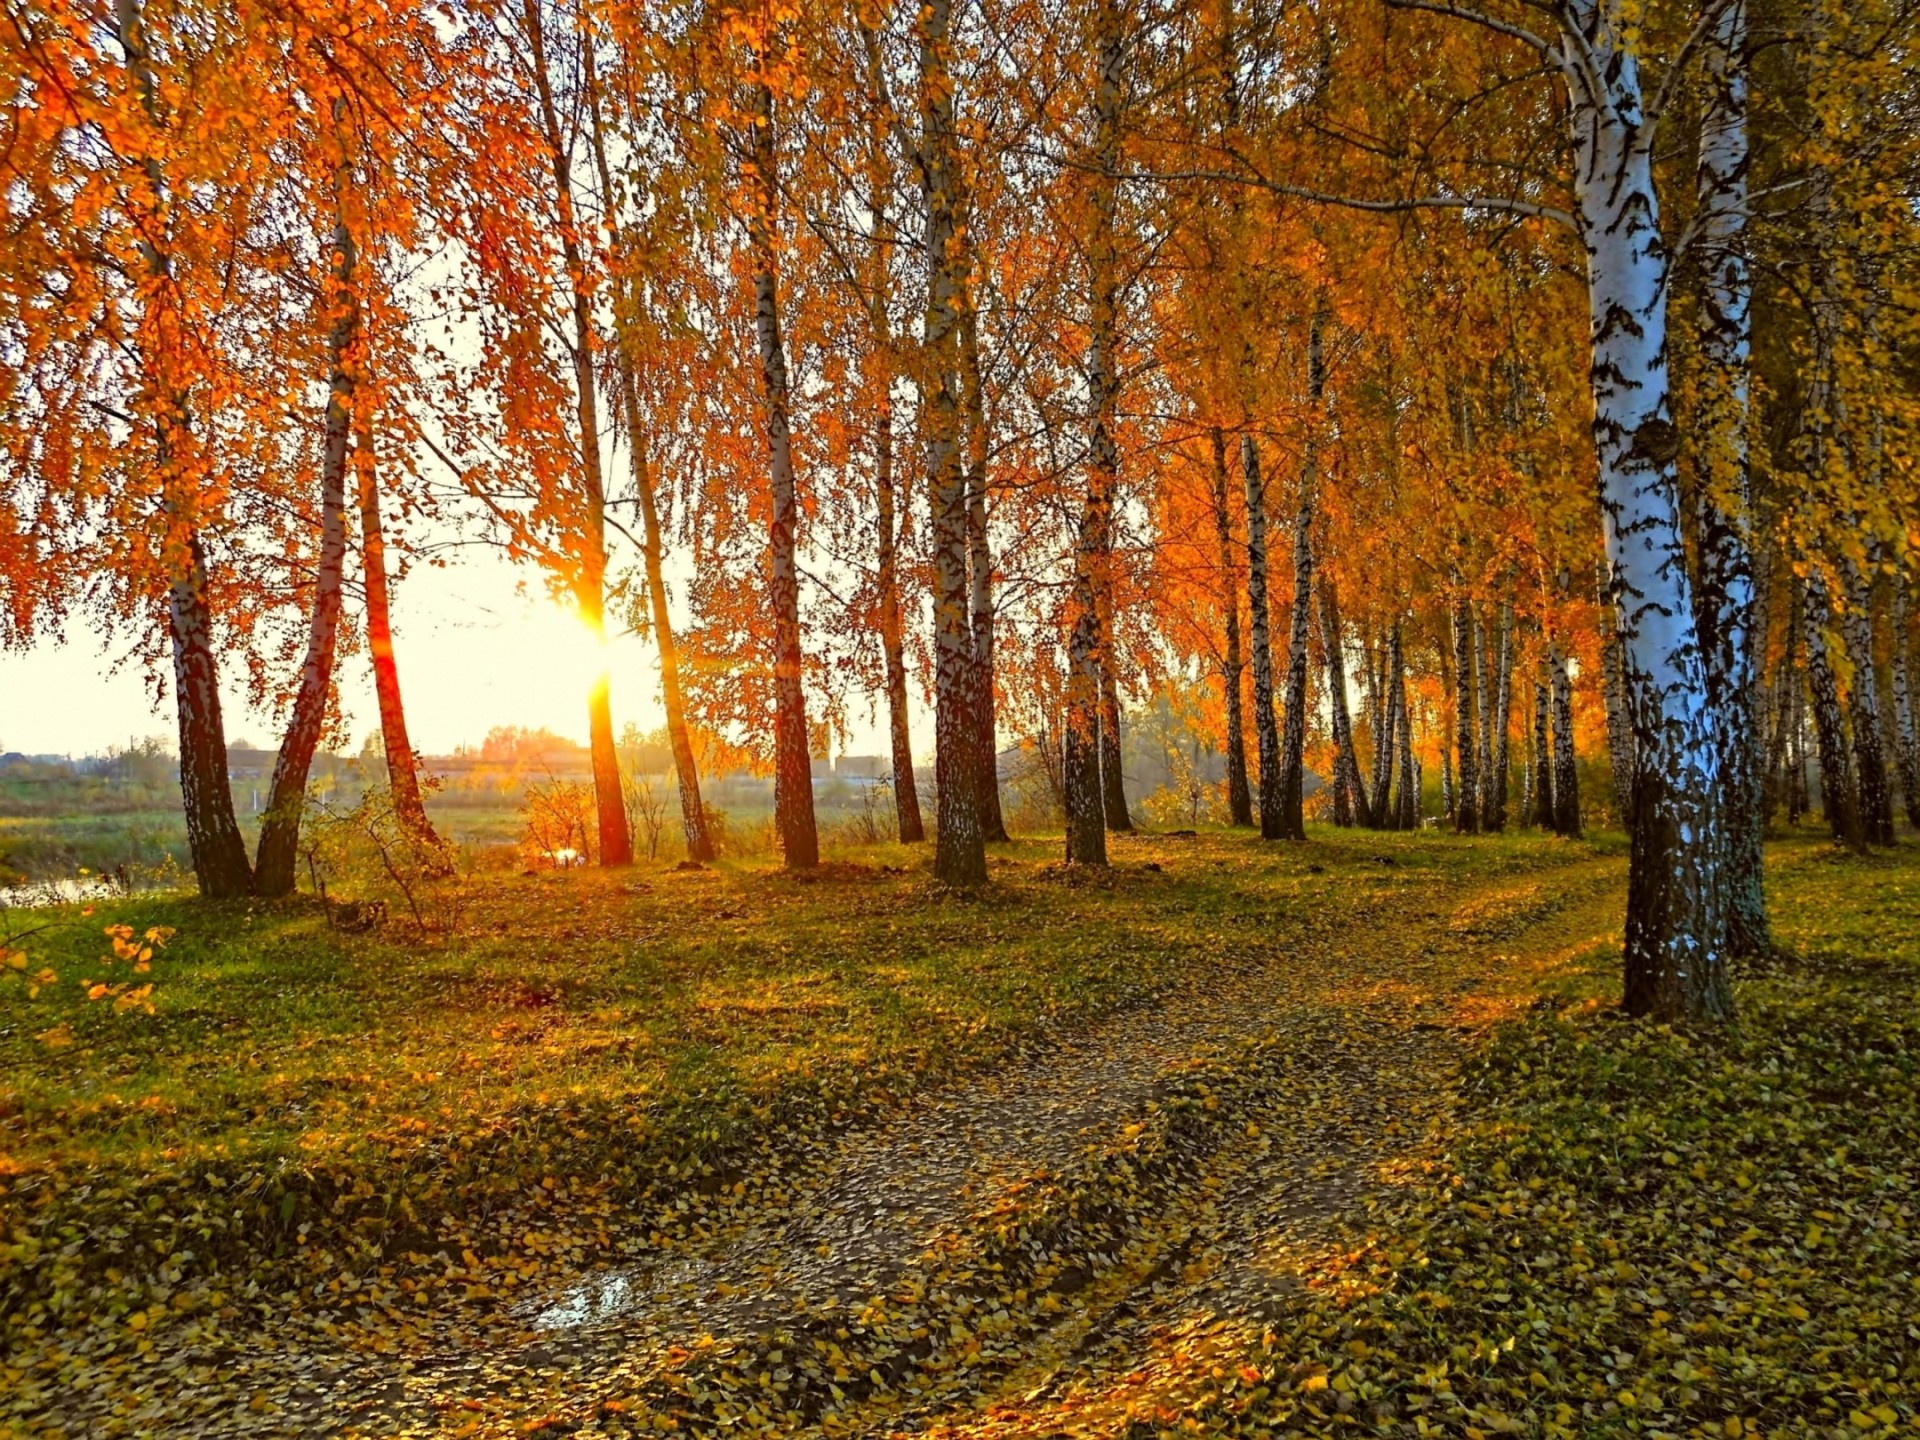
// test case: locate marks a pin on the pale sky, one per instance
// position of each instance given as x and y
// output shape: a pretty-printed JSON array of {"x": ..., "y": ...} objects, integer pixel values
[{"x": 472, "y": 653}]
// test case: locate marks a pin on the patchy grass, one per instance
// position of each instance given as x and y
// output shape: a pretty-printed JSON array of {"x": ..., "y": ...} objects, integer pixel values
[
  {"x": 303, "y": 1101},
  {"x": 1641, "y": 1230}
]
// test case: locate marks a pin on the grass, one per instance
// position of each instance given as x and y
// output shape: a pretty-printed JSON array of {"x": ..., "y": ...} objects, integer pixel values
[
  {"x": 1623, "y": 1229},
  {"x": 602, "y": 1035},
  {"x": 1642, "y": 1230}
]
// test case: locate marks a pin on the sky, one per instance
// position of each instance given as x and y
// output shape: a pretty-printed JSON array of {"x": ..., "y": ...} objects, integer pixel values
[{"x": 474, "y": 652}]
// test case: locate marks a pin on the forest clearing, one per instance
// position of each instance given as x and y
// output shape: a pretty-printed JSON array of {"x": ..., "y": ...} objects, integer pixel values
[{"x": 1341, "y": 1136}]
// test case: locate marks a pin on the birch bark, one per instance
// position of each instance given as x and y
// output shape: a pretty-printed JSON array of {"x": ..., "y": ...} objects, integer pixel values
[
  {"x": 1465, "y": 781},
  {"x": 1676, "y": 931},
  {"x": 1293, "y": 741},
  {"x": 1906, "y": 743},
  {"x": 1239, "y": 798},
  {"x": 960, "y": 856},
  {"x": 1086, "y": 807},
  {"x": 1266, "y": 733},
  {"x": 1346, "y": 775},
  {"x": 1726, "y": 601}
]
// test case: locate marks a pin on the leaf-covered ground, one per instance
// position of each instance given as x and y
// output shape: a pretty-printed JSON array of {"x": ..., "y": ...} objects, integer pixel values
[{"x": 1219, "y": 1143}]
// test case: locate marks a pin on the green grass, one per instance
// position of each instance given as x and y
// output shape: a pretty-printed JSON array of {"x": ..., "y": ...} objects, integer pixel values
[
  {"x": 599, "y": 1036},
  {"x": 1644, "y": 1230}
]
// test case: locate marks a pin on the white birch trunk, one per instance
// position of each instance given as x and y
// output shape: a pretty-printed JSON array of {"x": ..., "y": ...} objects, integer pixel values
[{"x": 1676, "y": 933}]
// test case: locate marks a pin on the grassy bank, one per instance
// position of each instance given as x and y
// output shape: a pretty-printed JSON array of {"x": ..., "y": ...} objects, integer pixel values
[{"x": 1640, "y": 1230}]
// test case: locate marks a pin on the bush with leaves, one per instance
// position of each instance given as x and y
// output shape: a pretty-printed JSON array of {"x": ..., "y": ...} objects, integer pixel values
[{"x": 367, "y": 850}]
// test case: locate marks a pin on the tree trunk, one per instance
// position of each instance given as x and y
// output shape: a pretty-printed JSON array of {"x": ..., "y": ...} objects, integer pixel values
[
  {"x": 1676, "y": 928},
  {"x": 1566, "y": 779},
  {"x": 1346, "y": 762},
  {"x": 960, "y": 856},
  {"x": 693, "y": 811},
  {"x": 275, "y": 861},
  {"x": 1613, "y": 695},
  {"x": 589, "y": 584},
  {"x": 1086, "y": 807},
  {"x": 1837, "y": 799},
  {"x": 1239, "y": 798},
  {"x": 1863, "y": 708},
  {"x": 793, "y": 759},
  {"x": 906, "y": 797},
  {"x": 1540, "y": 811},
  {"x": 1113, "y": 788},
  {"x": 993, "y": 824},
  {"x": 1496, "y": 815},
  {"x": 1725, "y": 604},
  {"x": 1293, "y": 742},
  {"x": 1384, "y": 721},
  {"x": 1407, "y": 803},
  {"x": 1906, "y": 743},
  {"x": 1482, "y": 717},
  {"x": 403, "y": 775},
  {"x": 213, "y": 836},
  {"x": 1266, "y": 733},
  {"x": 1466, "y": 782}
]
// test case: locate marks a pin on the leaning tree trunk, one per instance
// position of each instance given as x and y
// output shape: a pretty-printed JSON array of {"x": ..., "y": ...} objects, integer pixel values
[
  {"x": 1837, "y": 798},
  {"x": 1676, "y": 930},
  {"x": 1266, "y": 733},
  {"x": 274, "y": 862},
  {"x": 219, "y": 853},
  {"x": 960, "y": 856},
  {"x": 1346, "y": 763},
  {"x": 590, "y": 583},
  {"x": 793, "y": 763},
  {"x": 1239, "y": 798},
  {"x": 1863, "y": 708},
  {"x": 1725, "y": 604},
  {"x": 1465, "y": 783},
  {"x": 993, "y": 823},
  {"x": 693, "y": 812},
  {"x": 403, "y": 774},
  {"x": 1496, "y": 812},
  {"x": 906, "y": 797},
  {"x": 1906, "y": 744},
  {"x": 1293, "y": 741}
]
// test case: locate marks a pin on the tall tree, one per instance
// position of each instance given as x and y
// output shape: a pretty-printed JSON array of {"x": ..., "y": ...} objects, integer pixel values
[
  {"x": 1232, "y": 665},
  {"x": 1293, "y": 824},
  {"x": 959, "y": 837},
  {"x": 1266, "y": 732},
  {"x": 793, "y": 758}
]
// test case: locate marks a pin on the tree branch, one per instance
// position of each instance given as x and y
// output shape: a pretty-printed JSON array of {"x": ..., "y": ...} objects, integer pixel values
[{"x": 1501, "y": 204}]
